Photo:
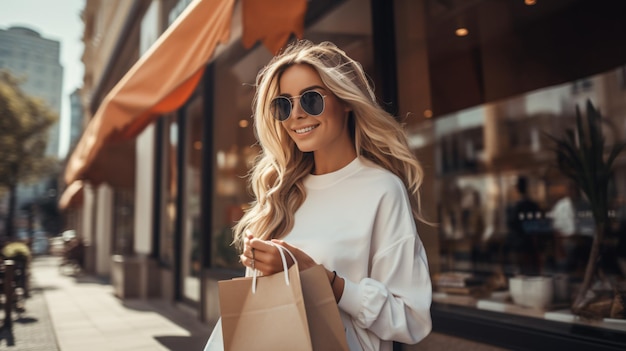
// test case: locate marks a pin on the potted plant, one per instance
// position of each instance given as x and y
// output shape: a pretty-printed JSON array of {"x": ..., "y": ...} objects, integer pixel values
[
  {"x": 16, "y": 250},
  {"x": 583, "y": 156}
]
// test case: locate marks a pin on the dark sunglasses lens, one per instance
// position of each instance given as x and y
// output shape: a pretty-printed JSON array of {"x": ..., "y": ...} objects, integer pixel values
[
  {"x": 312, "y": 103},
  {"x": 281, "y": 108}
]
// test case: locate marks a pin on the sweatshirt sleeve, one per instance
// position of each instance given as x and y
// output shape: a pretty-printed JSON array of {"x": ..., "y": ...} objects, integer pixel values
[{"x": 394, "y": 301}]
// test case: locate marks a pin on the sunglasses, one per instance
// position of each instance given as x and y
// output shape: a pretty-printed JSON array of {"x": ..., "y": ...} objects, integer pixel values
[{"x": 312, "y": 102}]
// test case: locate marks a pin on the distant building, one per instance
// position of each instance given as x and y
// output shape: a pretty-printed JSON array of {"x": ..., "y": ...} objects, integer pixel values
[
  {"x": 76, "y": 118},
  {"x": 27, "y": 54}
]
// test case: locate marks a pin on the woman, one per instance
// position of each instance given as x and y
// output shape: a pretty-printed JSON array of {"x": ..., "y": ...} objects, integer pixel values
[{"x": 337, "y": 185}]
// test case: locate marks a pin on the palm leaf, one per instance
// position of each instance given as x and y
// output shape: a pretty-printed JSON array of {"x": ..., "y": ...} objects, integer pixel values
[{"x": 580, "y": 157}]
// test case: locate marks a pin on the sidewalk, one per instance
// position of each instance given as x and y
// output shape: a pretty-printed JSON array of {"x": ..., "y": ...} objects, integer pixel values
[{"x": 68, "y": 313}]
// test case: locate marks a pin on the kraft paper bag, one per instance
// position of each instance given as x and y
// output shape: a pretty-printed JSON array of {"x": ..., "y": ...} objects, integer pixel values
[
  {"x": 326, "y": 329},
  {"x": 271, "y": 318},
  {"x": 293, "y": 311}
]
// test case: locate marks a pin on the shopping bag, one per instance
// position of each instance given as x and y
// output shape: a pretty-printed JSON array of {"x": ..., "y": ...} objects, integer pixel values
[
  {"x": 264, "y": 313},
  {"x": 285, "y": 311},
  {"x": 325, "y": 327}
]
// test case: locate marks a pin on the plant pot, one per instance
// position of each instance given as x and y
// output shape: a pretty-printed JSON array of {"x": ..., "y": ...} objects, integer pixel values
[{"x": 532, "y": 291}]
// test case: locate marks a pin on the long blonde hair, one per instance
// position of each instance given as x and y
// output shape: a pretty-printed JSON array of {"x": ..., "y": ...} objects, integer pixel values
[{"x": 276, "y": 179}]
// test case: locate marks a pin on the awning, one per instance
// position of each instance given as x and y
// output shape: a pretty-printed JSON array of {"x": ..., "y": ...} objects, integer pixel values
[
  {"x": 166, "y": 75},
  {"x": 272, "y": 22},
  {"x": 73, "y": 195},
  {"x": 159, "y": 82}
]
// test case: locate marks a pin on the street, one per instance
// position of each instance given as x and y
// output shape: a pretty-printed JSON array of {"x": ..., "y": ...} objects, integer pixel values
[{"x": 81, "y": 313}]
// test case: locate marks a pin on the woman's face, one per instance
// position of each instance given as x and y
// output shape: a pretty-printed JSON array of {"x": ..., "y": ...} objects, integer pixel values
[{"x": 325, "y": 133}]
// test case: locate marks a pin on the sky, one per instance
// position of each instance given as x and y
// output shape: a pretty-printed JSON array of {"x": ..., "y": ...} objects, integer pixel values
[{"x": 56, "y": 20}]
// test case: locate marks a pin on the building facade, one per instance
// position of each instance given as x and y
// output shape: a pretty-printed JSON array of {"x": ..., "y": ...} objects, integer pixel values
[
  {"x": 478, "y": 84},
  {"x": 26, "y": 54}
]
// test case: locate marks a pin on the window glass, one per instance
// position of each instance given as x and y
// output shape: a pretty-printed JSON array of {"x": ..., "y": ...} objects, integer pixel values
[
  {"x": 235, "y": 149},
  {"x": 482, "y": 107},
  {"x": 170, "y": 190},
  {"x": 191, "y": 254}
]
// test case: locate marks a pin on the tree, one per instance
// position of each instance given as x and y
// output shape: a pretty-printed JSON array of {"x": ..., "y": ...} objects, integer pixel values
[
  {"x": 24, "y": 123},
  {"x": 583, "y": 156}
]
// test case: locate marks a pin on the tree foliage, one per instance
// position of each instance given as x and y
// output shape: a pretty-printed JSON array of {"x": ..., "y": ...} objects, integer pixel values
[{"x": 24, "y": 124}]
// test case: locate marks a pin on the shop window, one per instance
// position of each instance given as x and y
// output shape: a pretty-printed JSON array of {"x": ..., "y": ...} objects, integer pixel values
[
  {"x": 170, "y": 190},
  {"x": 515, "y": 214},
  {"x": 505, "y": 211},
  {"x": 191, "y": 211}
]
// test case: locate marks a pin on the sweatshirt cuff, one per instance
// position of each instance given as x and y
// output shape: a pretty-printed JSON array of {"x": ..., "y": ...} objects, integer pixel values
[{"x": 350, "y": 301}]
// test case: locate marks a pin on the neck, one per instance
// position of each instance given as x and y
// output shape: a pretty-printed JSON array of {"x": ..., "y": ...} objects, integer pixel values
[{"x": 330, "y": 163}]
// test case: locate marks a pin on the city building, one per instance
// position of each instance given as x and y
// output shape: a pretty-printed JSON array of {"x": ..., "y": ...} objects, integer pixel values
[
  {"x": 76, "y": 118},
  {"x": 36, "y": 60},
  {"x": 28, "y": 55},
  {"x": 157, "y": 180}
]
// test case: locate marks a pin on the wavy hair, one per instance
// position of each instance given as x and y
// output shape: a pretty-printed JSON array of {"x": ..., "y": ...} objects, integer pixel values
[{"x": 276, "y": 179}]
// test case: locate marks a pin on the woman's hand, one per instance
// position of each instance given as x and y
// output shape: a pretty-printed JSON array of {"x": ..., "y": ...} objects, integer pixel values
[{"x": 263, "y": 255}]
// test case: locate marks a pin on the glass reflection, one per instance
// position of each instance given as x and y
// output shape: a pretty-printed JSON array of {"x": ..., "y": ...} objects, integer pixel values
[{"x": 505, "y": 208}]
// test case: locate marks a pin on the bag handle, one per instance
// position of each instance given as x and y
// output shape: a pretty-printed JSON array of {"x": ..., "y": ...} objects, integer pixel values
[{"x": 285, "y": 267}]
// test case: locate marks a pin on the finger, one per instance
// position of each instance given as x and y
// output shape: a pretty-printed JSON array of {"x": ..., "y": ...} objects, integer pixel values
[
  {"x": 304, "y": 261},
  {"x": 247, "y": 261},
  {"x": 249, "y": 251},
  {"x": 249, "y": 234},
  {"x": 263, "y": 257},
  {"x": 246, "y": 242},
  {"x": 294, "y": 250},
  {"x": 261, "y": 245},
  {"x": 247, "y": 247}
]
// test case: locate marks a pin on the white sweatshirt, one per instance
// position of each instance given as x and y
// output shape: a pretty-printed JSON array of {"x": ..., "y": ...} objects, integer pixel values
[{"x": 358, "y": 222}]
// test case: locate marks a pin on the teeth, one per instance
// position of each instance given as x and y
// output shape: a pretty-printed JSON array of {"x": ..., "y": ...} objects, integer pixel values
[{"x": 304, "y": 130}]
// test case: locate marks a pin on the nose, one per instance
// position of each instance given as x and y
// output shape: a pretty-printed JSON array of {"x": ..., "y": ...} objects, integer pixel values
[{"x": 296, "y": 108}]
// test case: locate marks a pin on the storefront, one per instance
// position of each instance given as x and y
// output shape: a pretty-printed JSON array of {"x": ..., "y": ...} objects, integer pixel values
[
  {"x": 499, "y": 78},
  {"x": 479, "y": 85}
]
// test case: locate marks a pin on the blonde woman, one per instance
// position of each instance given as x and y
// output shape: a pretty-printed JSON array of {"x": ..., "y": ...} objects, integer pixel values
[{"x": 337, "y": 185}]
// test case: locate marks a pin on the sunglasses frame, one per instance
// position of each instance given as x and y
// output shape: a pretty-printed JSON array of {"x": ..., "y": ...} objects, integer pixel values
[{"x": 291, "y": 103}]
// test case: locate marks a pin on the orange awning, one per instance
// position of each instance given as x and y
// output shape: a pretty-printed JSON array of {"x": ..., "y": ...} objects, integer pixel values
[
  {"x": 166, "y": 75},
  {"x": 72, "y": 195},
  {"x": 159, "y": 82},
  {"x": 272, "y": 22}
]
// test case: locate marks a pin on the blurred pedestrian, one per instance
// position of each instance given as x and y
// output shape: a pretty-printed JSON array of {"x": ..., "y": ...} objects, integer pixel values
[{"x": 521, "y": 239}]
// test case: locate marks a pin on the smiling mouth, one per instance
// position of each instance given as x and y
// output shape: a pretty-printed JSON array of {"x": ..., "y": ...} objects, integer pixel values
[{"x": 304, "y": 130}]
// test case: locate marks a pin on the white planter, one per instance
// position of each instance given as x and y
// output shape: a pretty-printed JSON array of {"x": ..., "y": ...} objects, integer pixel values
[{"x": 534, "y": 292}]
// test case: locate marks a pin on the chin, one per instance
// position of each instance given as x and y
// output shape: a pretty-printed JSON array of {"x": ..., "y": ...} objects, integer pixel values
[{"x": 305, "y": 147}]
